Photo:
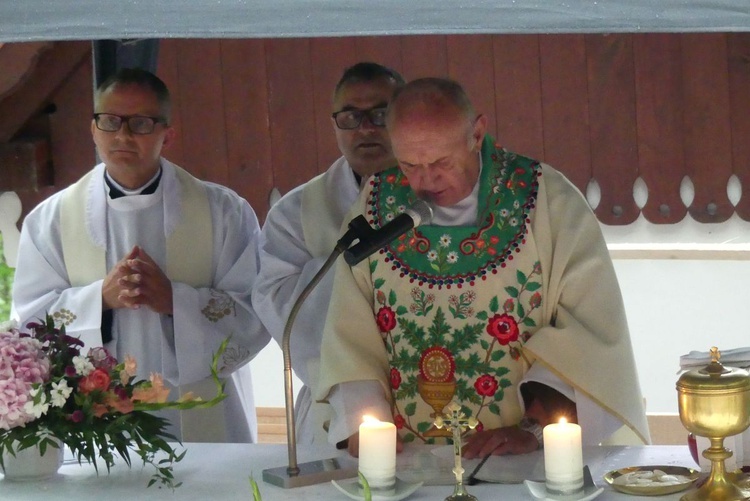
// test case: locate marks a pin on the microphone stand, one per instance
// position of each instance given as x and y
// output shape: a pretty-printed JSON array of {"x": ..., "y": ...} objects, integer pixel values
[{"x": 325, "y": 470}]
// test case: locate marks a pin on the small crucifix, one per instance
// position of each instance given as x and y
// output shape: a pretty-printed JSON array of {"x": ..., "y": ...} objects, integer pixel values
[{"x": 457, "y": 421}]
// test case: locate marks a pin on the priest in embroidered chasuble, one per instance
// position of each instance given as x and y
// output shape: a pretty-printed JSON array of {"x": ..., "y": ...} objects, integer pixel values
[
  {"x": 510, "y": 286},
  {"x": 144, "y": 259}
]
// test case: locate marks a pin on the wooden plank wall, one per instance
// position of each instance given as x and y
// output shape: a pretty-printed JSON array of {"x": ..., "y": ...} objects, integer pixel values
[{"x": 254, "y": 114}]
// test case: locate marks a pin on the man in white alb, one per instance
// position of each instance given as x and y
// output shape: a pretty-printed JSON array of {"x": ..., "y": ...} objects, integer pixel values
[
  {"x": 142, "y": 258},
  {"x": 302, "y": 228}
]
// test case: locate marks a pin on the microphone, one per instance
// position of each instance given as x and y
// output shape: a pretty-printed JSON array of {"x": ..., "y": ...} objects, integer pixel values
[{"x": 371, "y": 240}]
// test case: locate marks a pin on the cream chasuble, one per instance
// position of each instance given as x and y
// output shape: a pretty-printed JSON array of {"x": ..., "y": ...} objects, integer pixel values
[{"x": 460, "y": 313}]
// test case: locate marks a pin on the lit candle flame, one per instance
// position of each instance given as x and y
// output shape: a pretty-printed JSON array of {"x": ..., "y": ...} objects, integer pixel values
[
  {"x": 369, "y": 419},
  {"x": 563, "y": 420}
]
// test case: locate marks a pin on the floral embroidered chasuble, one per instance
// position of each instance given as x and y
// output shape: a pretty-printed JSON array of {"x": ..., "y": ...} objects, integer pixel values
[{"x": 455, "y": 305}]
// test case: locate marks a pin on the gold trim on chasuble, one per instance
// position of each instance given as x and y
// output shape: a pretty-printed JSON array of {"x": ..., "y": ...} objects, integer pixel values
[{"x": 455, "y": 304}]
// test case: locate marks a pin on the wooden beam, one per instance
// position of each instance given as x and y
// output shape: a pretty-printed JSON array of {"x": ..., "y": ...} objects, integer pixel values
[
  {"x": 54, "y": 67},
  {"x": 18, "y": 60},
  {"x": 25, "y": 165}
]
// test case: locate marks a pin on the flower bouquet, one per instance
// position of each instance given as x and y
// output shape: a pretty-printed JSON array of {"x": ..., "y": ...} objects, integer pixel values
[{"x": 50, "y": 392}]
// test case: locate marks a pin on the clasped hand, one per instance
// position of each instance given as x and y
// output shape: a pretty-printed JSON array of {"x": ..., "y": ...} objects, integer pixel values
[{"x": 135, "y": 281}]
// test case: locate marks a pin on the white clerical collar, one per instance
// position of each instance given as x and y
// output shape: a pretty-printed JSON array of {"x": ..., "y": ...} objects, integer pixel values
[
  {"x": 463, "y": 213},
  {"x": 128, "y": 192},
  {"x": 133, "y": 199}
]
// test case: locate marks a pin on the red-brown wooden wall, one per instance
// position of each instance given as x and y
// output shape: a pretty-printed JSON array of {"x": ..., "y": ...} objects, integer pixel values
[{"x": 254, "y": 113}]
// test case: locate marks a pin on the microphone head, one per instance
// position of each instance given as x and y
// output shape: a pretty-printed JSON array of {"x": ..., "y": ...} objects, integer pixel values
[{"x": 420, "y": 212}]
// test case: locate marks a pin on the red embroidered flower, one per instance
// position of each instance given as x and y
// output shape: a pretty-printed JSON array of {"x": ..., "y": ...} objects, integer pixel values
[
  {"x": 404, "y": 181},
  {"x": 503, "y": 328},
  {"x": 486, "y": 385},
  {"x": 390, "y": 178},
  {"x": 386, "y": 319},
  {"x": 399, "y": 421},
  {"x": 480, "y": 427},
  {"x": 535, "y": 300},
  {"x": 508, "y": 305},
  {"x": 494, "y": 240},
  {"x": 395, "y": 378}
]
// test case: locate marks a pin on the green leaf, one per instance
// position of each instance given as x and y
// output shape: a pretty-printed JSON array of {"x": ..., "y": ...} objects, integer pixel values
[
  {"x": 497, "y": 355},
  {"x": 410, "y": 409},
  {"x": 494, "y": 408},
  {"x": 532, "y": 286},
  {"x": 365, "y": 487},
  {"x": 378, "y": 283},
  {"x": 255, "y": 489},
  {"x": 373, "y": 265},
  {"x": 402, "y": 310},
  {"x": 484, "y": 344},
  {"x": 482, "y": 315},
  {"x": 423, "y": 426},
  {"x": 392, "y": 298},
  {"x": 521, "y": 310},
  {"x": 521, "y": 277},
  {"x": 529, "y": 321},
  {"x": 512, "y": 291},
  {"x": 494, "y": 304}
]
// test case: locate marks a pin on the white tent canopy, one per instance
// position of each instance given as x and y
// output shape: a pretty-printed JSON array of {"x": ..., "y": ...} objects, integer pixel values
[{"x": 27, "y": 20}]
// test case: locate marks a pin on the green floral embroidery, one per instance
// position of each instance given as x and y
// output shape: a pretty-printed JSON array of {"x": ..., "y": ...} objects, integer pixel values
[
  {"x": 436, "y": 362},
  {"x": 508, "y": 187}
]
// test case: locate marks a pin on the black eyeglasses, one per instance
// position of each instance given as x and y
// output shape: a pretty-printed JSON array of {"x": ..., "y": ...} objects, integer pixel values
[
  {"x": 351, "y": 119},
  {"x": 137, "y": 124}
]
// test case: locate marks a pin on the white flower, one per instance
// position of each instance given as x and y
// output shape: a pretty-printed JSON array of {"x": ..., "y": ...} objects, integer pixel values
[
  {"x": 504, "y": 212},
  {"x": 445, "y": 240},
  {"x": 452, "y": 257},
  {"x": 8, "y": 325},
  {"x": 37, "y": 409},
  {"x": 82, "y": 365},
  {"x": 432, "y": 255},
  {"x": 513, "y": 221},
  {"x": 389, "y": 216},
  {"x": 516, "y": 204},
  {"x": 401, "y": 209},
  {"x": 60, "y": 393},
  {"x": 390, "y": 200}
]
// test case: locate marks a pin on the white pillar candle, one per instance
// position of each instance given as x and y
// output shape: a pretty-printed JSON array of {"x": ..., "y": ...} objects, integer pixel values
[
  {"x": 377, "y": 453},
  {"x": 563, "y": 457}
]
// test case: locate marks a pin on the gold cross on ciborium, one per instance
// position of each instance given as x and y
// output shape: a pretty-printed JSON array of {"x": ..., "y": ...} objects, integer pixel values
[{"x": 457, "y": 421}]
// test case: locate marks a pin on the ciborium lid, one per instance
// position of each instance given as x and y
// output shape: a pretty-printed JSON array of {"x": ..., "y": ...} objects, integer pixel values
[{"x": 715, "y": 377}]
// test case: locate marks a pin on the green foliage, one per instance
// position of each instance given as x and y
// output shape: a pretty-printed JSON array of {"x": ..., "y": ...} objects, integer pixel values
[
  {"x": 365, "y": 487},
  {"x": 256, "y": 489},
  {"x": 6, "y": 285}
]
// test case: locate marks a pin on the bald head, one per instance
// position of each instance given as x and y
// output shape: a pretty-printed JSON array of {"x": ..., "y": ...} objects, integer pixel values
[
  {"x": 434, "y": 100},
  {"x": 436, "y": 137}
]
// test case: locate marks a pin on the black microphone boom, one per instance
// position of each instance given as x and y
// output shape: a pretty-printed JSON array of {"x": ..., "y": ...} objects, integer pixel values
[{"x": 371, "y": 240}]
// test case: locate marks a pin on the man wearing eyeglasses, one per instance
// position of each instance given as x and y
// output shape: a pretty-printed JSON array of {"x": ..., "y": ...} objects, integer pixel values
[
  {"x": 142, "y": 258},
  {"x": 302, "y": 228}
]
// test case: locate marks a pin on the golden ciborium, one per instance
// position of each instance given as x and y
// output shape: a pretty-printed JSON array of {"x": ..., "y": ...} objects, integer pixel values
[{"x": 714, "y": 402}]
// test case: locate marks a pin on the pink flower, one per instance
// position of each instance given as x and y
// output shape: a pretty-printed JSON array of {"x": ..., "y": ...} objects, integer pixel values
[
  {"x": 22, "y": 364},
  {"x": 101, "y": 359}
]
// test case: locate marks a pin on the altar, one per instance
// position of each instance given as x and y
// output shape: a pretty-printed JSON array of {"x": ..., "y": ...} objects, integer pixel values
[{"x": 222, "y": 471}]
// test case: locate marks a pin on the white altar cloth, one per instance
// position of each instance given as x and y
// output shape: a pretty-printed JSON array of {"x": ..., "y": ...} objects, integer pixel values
[{"x": 220, "y": 472}]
